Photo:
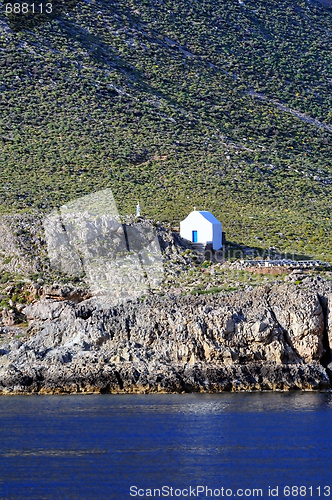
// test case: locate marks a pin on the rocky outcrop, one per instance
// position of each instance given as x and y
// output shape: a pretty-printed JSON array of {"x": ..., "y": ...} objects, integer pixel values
[
  {"x": 89, "y": 246},
  {"x": 22, "y": 245},
  {"x": 271, "y": 338}
]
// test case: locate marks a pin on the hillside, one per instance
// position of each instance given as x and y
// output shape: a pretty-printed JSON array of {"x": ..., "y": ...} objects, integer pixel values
[{"x": 222, "y": 105}]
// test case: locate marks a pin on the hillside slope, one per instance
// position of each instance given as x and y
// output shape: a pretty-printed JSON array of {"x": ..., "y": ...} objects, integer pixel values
[{"x": 222, "y": 105}]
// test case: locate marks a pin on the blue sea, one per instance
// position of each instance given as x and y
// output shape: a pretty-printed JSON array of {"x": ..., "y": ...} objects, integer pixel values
[{"x": 246, "y": 445}]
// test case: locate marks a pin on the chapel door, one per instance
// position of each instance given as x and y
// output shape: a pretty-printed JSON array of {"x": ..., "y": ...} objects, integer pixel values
[{"x": 194, "y": 237}]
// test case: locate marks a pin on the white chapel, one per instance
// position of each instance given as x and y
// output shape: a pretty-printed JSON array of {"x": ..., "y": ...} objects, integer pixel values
[{"x": 202, "y": 227}]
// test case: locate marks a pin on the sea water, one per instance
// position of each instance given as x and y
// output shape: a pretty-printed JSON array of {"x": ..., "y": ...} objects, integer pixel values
[{"x": 244, "y": 445}]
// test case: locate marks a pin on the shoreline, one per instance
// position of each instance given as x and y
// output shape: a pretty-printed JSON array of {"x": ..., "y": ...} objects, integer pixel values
[
  {"x": 252, "y": 378},
  {"x": 165, "y": 393},
  {"x": 273, "y": 338}
]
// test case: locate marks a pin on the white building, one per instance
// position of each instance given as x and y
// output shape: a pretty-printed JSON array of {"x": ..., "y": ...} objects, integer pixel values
[{"x": 202, "y": 227}]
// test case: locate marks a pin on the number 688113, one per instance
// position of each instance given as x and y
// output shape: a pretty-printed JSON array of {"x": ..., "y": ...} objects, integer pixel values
[{"x": 28, "y": 8}]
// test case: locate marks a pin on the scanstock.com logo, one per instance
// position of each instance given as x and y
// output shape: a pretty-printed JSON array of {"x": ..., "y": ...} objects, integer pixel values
[{"x": 86, "y": 238}]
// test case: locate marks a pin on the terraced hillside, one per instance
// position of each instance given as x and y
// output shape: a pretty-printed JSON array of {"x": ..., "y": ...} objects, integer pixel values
[{"x": 225, "y": 105}]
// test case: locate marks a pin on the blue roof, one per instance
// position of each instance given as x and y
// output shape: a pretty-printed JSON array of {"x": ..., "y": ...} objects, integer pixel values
[{"x": 210, "y": 217}]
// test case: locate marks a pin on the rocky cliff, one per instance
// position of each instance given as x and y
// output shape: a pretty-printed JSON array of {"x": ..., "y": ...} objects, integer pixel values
[{"x": 274, "y": 337}]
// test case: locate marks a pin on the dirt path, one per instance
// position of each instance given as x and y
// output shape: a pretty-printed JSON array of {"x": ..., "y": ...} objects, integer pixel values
[{"x": 298, "y": 114}]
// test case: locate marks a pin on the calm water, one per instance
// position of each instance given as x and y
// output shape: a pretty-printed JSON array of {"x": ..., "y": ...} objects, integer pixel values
[{"x": 96, "y": 447}]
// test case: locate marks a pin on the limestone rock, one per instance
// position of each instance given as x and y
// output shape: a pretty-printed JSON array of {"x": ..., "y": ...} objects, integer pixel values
[
  {"x": 8, "y": 317},
  {"x": 270, "y": 338}
]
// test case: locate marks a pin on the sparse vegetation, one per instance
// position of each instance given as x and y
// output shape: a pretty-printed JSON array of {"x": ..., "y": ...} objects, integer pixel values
[{"x": 156, "y": 100}]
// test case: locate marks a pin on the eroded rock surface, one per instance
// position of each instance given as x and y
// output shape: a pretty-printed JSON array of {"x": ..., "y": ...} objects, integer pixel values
[{"x": 271, "y": 338}]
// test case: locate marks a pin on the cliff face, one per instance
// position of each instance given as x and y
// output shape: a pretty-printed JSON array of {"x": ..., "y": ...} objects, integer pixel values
[
  {"x": 22, "y": 246},
  {"x": 271, "y": 338}
]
